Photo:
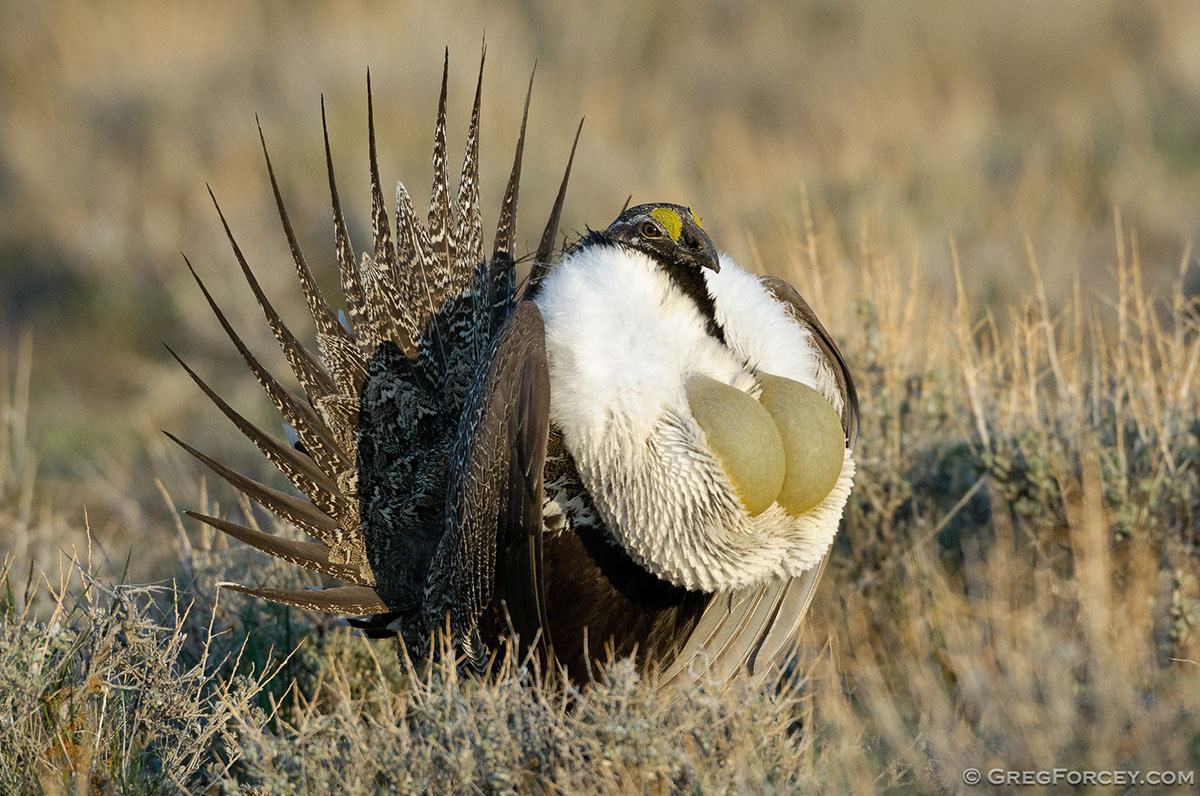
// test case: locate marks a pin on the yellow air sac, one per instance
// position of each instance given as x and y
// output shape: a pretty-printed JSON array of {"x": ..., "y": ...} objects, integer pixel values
[
  {"x": 743, "y": 437},
  {"x": 813, "y": 441}
]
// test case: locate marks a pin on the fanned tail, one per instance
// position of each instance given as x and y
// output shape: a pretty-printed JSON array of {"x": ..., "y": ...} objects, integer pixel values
[{"x": 384, "y": 402}]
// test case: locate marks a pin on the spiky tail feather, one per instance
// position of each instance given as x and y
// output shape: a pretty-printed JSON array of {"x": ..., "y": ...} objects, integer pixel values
[{"x": 429, "y": 304}]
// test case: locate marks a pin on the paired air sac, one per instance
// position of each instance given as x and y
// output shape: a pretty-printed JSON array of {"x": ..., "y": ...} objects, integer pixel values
[{"x": 786, "y": 447}]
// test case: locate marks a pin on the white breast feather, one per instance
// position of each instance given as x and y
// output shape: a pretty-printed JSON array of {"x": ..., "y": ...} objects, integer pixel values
[
  {"x": 762, "y": 333},
  {"x": 621, "y": 341}
]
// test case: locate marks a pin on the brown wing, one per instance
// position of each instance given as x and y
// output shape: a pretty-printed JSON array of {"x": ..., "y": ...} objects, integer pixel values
[
  {"x": 802, "y": 314},
  {"x": 521, "y": 581},
  {"x": 492, "y": 549},
  {"x": 751, "y": 630}
]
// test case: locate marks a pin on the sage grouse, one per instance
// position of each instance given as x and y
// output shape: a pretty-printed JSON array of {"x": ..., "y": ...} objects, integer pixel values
[{"x": 648, "y": 453}]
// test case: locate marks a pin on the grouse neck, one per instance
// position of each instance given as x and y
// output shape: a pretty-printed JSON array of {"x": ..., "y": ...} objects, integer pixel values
[
  {"x": 689, "y": 279},
  {"x": 693, "y": 284}
]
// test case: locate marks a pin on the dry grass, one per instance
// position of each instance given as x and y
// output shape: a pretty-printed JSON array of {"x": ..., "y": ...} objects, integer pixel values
[
  {"x": 1015, "y": 587},
  {"x": 986, "y": 122},
  {"x": 1017, "y": 583}
]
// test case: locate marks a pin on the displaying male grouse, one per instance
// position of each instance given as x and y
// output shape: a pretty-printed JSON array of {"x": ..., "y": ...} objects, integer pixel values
[{"x": 648, "y": 453}]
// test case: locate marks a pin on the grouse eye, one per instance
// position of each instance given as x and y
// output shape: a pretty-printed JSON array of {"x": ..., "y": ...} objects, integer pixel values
[{"x": 650, "y": 230}]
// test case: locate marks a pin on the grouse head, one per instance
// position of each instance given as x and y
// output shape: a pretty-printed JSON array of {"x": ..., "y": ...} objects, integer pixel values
[{"x": 669, "y": 234}]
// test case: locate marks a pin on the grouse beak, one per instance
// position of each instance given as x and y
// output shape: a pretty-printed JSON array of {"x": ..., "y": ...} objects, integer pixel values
[
  {"x": 703, "y": 252},
  {"x": 708, "y": 258}
]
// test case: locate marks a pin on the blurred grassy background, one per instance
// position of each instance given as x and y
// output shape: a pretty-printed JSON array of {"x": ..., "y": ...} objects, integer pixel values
[
  {"x": 911, "y": 124},
  {"x": 1016, "y": 582}
]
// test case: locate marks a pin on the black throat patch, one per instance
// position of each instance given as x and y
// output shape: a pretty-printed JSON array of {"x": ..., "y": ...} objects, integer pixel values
[{"x": 691, "y": 281}]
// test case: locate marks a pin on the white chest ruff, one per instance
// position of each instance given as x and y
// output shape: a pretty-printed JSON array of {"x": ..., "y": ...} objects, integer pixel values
[{"x": 621, "y": 342}]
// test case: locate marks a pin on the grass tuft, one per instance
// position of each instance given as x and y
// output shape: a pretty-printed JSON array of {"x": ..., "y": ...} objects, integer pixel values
[{"x": 1015, "y": 587}]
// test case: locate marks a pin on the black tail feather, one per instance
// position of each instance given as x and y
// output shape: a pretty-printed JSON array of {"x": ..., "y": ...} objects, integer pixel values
[
  {"x": 541, "y": 261},
  {"x": 297, "y": 511},
  {"x": 310, "y": 428},
  {"x": 301, "y": 470},
  {"x": 341, "y": 600}
]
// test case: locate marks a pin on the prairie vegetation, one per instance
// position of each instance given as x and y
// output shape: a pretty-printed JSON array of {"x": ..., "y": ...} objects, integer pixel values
[{"x": 991, "y": 206}]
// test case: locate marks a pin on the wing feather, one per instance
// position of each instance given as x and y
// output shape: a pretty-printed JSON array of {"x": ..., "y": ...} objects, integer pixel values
[
  {"x": 750, "y": 630},
  {"x": 520, "y": 517},
  {"x": 492, "y": 547},
  {"x": 793, "y": 607},
  {"x": 803, "y": 314},
  {"x": 753, "y": 629}
]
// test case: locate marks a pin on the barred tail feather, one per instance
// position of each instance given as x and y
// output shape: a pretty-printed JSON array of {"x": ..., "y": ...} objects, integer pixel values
[
  {"x": 310, "y": 555},
  {"x": 385, "y": 252},
  {"x": 425, "y": 311},
  {"x": 471, "y": 272},
  {"x": 418, "y": 262},
  {"x": 340, "y": 600},
  {"x": 356, "y": 303},
  {"x": 441, "y": 220},
  {"x": 468, "y": 233},
  {"x": 347, "y": 364}
]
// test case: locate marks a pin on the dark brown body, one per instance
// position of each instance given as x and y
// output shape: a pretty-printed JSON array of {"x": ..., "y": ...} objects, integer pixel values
[
  {"x": 600, "y": 603},
  {"x": 602, "y": 606},
  {"x": 598, "y": 594}
]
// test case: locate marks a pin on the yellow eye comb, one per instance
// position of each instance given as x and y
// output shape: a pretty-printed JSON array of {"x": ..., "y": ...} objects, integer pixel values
[{"x": 670, "y": 221}]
